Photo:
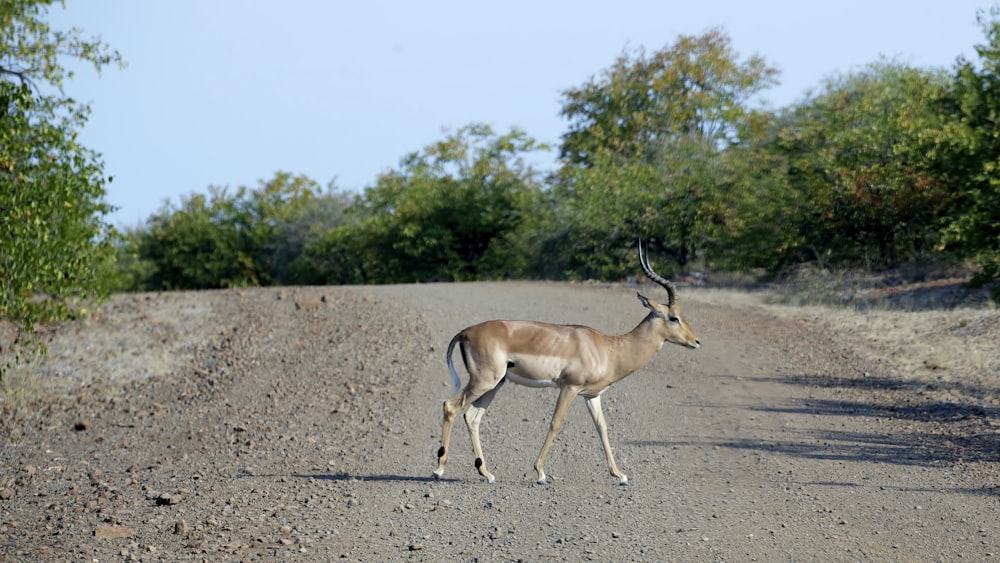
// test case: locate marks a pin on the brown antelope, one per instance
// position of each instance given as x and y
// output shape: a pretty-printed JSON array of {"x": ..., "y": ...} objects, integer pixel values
[{"x": 577, "y": 359}]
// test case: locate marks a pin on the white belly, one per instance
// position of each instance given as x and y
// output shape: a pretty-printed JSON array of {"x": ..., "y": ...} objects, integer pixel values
[{"x": 520, "y": 380}]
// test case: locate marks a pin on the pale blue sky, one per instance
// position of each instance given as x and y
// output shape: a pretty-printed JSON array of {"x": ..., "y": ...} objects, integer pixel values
[{"x": 229, "y": 92}]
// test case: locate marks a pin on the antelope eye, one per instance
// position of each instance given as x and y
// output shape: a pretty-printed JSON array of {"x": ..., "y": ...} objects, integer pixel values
[{"x": 673, "y": 319}]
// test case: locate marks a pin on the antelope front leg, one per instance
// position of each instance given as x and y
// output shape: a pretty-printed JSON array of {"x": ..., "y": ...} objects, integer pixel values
[
  {"x": 566, "y": 395},
  {"x": 594, "y": 406}
]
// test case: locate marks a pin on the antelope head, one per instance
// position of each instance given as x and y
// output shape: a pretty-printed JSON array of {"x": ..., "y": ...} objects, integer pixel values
[{"x": 675, "y": 328}]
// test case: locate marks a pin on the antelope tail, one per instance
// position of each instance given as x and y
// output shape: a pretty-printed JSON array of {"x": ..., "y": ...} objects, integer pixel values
[{"x": 456, "y": 381}]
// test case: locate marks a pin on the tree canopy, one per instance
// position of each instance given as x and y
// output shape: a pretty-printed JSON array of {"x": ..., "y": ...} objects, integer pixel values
[
  {"x": 645, "y": 151},
  {"x": 53, "y": 236},
  {"x": 883, "y": 166},
  {"x": 234, "y": 238},
  {"x": 967, "y": 154},
  {"x": 451, "y": 212},
  {"x": 695, "y": 88}
]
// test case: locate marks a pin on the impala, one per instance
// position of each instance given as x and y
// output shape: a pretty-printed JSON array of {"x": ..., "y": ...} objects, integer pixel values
[{"x": 576, "y": 359}]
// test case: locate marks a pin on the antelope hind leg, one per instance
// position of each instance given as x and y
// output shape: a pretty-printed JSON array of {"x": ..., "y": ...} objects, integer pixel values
[
  {"x": 473, "y": 418},
  {"x": 451, "y": 408}
]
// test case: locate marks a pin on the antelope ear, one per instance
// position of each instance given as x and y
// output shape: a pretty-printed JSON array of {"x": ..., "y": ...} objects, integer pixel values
[{"x": 645, "y": 302}]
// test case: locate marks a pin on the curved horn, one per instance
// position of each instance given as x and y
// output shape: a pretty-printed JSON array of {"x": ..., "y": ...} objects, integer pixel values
[{"x": 667, "y": 285}]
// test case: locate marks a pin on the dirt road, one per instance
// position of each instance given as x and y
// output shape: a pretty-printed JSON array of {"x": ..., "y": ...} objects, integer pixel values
[{"x": 302, "y": 423}]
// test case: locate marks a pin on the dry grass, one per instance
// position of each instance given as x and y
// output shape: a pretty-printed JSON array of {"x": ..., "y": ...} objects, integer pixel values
[{"x": 933, "y": 331}]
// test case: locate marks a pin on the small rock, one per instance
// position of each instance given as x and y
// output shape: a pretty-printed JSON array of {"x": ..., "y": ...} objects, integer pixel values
[
  {"x": 168, "y": 500},
  {"x": 112, "y": 532},
  {"x": 181, "y": 528},
  {"x": 416, "y": 546},
  {"x": 6, "y": 493}
]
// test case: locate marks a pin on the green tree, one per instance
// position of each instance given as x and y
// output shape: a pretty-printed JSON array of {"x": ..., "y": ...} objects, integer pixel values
[
  {"x": 197, "y": 245},
  {"x": 858, "y": 186},
  {"x": 967, "y": 154},
  {"x": 244, "y": 237},
  {"x": 643, "y": 154},
  {"x": 696, "y": 88},
  {"x": 453, "y": 211},
  {"x": 752, "y": 221},
  {"x": 298, "y": 227},
  {"x": 53, "y": 237}
]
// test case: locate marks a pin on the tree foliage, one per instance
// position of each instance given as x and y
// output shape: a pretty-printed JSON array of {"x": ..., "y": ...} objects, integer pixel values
[
  {"x": 450, "y": 212},
  {"x": 53, "y": 238},
  {"x": 644, "y": 154},
  {"x": 967, "y": 154},
  {"x": 855, "y": 169},
  {"x": 247, "y": 237},
  {"x": 885, "y": 165},
  {"x": 30, "y": 49},
  {"x": 696, "y": 88}
]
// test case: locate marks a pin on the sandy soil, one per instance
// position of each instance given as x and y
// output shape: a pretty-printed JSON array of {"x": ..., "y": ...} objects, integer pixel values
[{"x": 302, "y": 423}]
